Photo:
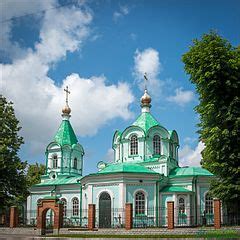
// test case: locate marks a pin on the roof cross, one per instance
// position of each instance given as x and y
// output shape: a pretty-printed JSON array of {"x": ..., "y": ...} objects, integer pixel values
[
  {"x": 67, "y": 92},
  {"x": 145, "y": 81}
]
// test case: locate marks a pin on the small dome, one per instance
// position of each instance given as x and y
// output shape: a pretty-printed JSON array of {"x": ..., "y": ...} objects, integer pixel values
[
  {"x": 66, "y": 110},
  {"x": 146, "y": 99}
]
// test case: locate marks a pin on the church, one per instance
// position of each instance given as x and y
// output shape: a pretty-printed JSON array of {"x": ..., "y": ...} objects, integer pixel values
[{"x": 145, "y": 172}]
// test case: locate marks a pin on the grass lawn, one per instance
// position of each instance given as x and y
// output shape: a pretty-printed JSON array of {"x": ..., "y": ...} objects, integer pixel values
[{"x": 209, "y": 234}]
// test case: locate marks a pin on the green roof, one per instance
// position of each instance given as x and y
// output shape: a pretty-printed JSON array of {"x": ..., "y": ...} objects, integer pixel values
[
  {"x": 189, "y": 171},
  {"x": 125, "y": 168},
  {"x": 59, "y": 181},
  {"x": 65, "y": 134},
  {"x": 146, "y": 121},
  {"x": 174, "y": 189}
]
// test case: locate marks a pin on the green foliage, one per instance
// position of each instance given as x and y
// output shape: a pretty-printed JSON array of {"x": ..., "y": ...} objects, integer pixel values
[
  {"x": 34, "y": 173},
  {"x": 214, "y": 67},
  {"x": 12, "y": 169}
]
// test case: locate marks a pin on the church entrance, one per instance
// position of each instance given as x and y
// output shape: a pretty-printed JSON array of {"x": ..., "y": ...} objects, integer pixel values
[
  {"x": 49, "y": 215},
  {"x": 104, "y": 210},
  {"x": 49, "y": 221}
]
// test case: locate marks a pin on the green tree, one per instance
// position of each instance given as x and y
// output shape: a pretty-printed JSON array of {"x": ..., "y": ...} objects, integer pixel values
[
  {"x": 12, "y": 169},
  {"x": 214, "y": 67},
  {"x": 34, "y": 173}
]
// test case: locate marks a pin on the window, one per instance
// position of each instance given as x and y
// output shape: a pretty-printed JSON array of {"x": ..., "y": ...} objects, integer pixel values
[
  {"x": 55, "y": 161},
  {"x": 139, "y": 203},
  {"x": 134, "y": 145},
  {"x": 156, "y": 145},
  {"x": 64, "y": 201},
  {"x": 208, "y": 204},
  {"x": 75, "y": 206},
  {"x": 181, "y": 205},
  {"x": 171, "y": 149},
  {"x": 75, "y": 163}
]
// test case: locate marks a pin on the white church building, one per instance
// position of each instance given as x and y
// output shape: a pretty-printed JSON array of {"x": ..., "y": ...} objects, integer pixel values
[{"x": 145, "y": 172}]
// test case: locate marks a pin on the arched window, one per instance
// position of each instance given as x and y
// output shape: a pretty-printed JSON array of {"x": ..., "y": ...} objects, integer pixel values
[
  {"x": 75, "y": 206},
  {"x": 75, "y": 163},
  {"x": 181, "y": 205},
  {"x": 64, "y": 201},
  {"x": 208, "y": 203},
  {"x": 139, "y": 203},
  {"x": 133, "y": 145},
  {"x": 156, "y": 145},
  {"x": 55, "y": 161},
  {"x": 171, "y": 149}
]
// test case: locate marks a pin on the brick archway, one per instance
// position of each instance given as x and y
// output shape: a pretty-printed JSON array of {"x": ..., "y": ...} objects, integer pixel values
[{"x": 43, "y": 206}]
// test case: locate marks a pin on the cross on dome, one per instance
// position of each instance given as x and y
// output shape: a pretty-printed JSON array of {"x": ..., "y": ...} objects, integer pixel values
[
  {"x": 67, "y": 92},
  {"x": 145, "y": 99},
  {"x": 66, "y": 110}
]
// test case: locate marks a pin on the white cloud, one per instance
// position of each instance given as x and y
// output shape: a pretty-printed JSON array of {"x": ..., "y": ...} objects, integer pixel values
[
  {"x": 110, "y": 155},
  {"x": 148, "y": 62},
  {"x": 181, "y": 97},
  {"x": 14, "y": 9},
  {"x": 38, "y": 100},
  {"x": 123, "y": 11},
  {"x": 189, "y": 156}
]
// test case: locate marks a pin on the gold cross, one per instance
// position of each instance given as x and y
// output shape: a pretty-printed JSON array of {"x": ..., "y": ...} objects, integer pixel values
[
  {"x": 145, "y": 81},
  {"x": 67, "y": 92}
]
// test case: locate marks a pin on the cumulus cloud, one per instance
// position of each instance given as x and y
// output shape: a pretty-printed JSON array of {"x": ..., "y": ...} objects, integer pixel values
[
  {"x": 110, "y": 155},
  {"x": 123, "y": 11},
  {"x": 181, "y": 97},
  {"x": 38, "y": 99},
  {"x": 148, "y": 62},
  {"x": 13, "y": 9},
  {"x": 189, "y": 156}
]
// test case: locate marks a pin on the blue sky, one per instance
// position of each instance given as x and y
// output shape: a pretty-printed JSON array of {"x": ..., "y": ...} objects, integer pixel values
[{"x": 100, "y": 49}]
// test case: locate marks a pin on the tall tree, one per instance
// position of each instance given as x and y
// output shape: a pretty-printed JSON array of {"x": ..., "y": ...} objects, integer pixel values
[
  {"x": 12, "y": 169},
  {"x": 34, "y": 173},
  {"x": 214, "y": 67}
]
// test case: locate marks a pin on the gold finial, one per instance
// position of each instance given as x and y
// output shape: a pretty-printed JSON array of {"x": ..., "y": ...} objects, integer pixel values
[
  {"x": 66, "y": 110},
  {"x": 145, "y": 99}
]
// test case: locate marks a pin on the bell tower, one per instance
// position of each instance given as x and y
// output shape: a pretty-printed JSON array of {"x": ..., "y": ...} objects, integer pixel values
[{"x": 64, "y": 155}]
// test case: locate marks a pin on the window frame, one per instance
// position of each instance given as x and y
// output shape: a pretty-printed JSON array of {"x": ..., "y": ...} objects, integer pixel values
[
  {"x": 181, "y": 205},
  {"x": 75, "y": 163},
  {"x": 208, "y": 203},
  {"x": 64, "y": 200},
  {"x": 75, "y": 207},
  {"x": 54, "y": 161},
  {"x": 157, "y": 145},
  {"x": 133, "y": 145},
  {"x": 140, "y": 204}
]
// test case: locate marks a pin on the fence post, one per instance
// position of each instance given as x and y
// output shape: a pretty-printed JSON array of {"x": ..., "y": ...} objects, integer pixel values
[
  {"x": 13, "y": 217},
  {"x": 91, "y": 216},
  {"x": 170, "y": 214},
  {"x": 217, "y": 213},
  {"x": 128, "y": 216}
]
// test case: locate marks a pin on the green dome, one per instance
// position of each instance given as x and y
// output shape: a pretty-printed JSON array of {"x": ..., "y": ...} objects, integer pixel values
[
  {"x": 145, "y": 121},
  {"x": 65, "y": 134}
]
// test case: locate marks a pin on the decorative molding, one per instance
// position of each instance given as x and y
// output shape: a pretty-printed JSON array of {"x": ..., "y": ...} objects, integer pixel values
[{"x": 105, "y": 185}]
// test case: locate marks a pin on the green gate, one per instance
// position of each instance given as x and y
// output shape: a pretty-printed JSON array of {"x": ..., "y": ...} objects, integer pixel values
[{"x": 104, "y": 210}]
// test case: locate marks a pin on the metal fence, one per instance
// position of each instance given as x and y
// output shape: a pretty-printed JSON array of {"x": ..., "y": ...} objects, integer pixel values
[
  {"x": 115, "y": 218},
  {"x": 110, "y": 218}
]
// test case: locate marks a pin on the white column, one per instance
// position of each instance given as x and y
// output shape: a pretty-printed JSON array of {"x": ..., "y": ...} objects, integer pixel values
[
  {"x": 188, "y": 212},
  {"x": 29, "y": 209},
  {"x": 90, "y": 195}
]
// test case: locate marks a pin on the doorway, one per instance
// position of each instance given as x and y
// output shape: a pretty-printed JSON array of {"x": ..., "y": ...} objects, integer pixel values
[{"x": 104, "y": 210}]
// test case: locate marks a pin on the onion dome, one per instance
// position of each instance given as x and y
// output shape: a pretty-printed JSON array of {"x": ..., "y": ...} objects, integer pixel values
[
  {"x": 146, "y": 99},
  {"x": 66, "y": 110}
]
